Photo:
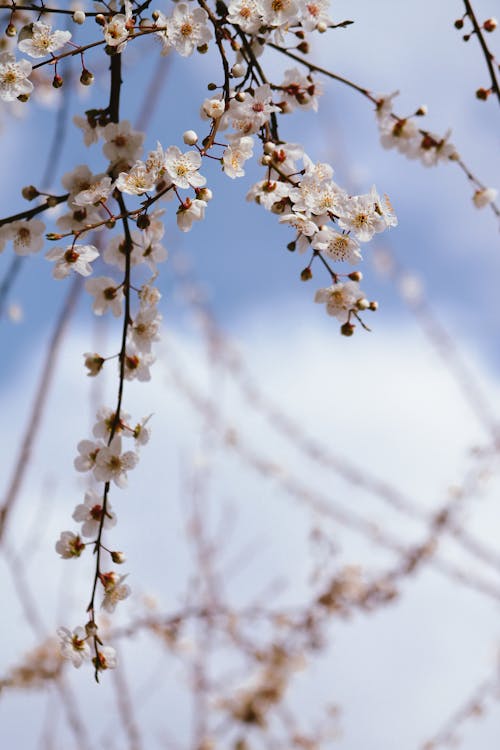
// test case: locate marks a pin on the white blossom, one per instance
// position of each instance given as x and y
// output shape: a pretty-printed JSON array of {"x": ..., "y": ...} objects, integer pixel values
[
  {"x": 137, "y": 365},
  {"x": 97, "y": 192},
  {"x": 88, "y": 451},
  {"x": 112, "y": 465},
  {"x": 189, "y": 211},
  {"x": 27, "y": 236},
  {"x": 43, "y": 40},
  {"x": 114, "y": 590},
  {"x": 235, "y": 155},
  {"x": 145, "y": 328},
  {"x": 74, "y": 645},
  {"x": 90, "y": 513},
  {"x": 338, "y": 247},
  {"x": 183, "y": 168},
  {"x": 107, "y": 295},
  {"x": 69, "y": 545},
  {"x": 484, "y": 196},
  {"x": 121, "y": 142},
  {"x": 340, "y": 299},
  {"x": 74, "y": 258},
  {"x": 14, "y": 77},
  {"x": 187, "y": 29}
]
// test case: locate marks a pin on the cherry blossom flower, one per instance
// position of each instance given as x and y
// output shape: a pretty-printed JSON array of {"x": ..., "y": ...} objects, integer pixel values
[
  {"x": 106, "y": 423},
  {"x": 400, "y": 134},
  {"x": 74, "y": 645},
  {"x": 90, "y": 129},
  {"x": 112, "y": 465},
  {"x": 314, "y": 12},
  {"x": 116, "y": 30},
  {"x": 189, "y": 211},
  {"x": 137, "y": 365},
  {"x": 340, "y": 299},
  {"x": 249, "y": 116},
  {"x": 300, "y": 91},
  {"x": 212, "y": 109},
  {"x": 14, "y": 77},
  {"x": 139, "y": 180},
  {"x": 247, "y": 14},
  {"x": 145, "y": 329},
  {"x": 121, "y": 142},
  {"x": 74, "y": 258},
  {"x": 304, "y": 226},
  {"x": 90, "y": 513},
  {"x": 93, "y": 363},
  {"x": 359, "y": 215},
  {"x": 235, "y": 155},
  {"x": 267, "y": 193},
  {"x": 114, "y": 590},
  {"x": 186, "y": 30},
  {"x": 27, "y": 236},
  {"x": 142, "y": 433},
  {"x": 105, "y": 659},
  {"x": 88, "y": 451},
  {"x": 338, "y": 247},
  {"x": 43, "y": 41},
  {"x": 115, "y": 253},
  {"x": 107, "y": 295},
  {"x": 183, "y": 168},
  {"x": 69, "y": 545},
  {"x": 484, "y": 197},
  {"x": 280, "y": 14},
  {"x": 97, "y": 192}
]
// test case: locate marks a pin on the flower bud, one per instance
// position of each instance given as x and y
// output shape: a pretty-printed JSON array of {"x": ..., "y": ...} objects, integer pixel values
[
  {"x": 240, "y": 96},
  {"x": 118, "y": 557},
  {"x": 238, "y": 70},
  {"x": 373, "y": 306},
  {"x": 306, "y": 274},
  {"x": 93, "y": 363},
  {"x": 155, "y": 15},
  {"x": 362, "y": 304},
  {"x": 291, "y": 246},
  {"x": 421, "y": 111},
  {"x": 269, "y": 147},
  {"x": 204, "y": 194},
  {"x": 57, "y": 81},
  {"x": 321, "y": 27},
  {"x": 356, "y": 276},
  {"x": 23, "y": 97},
  {"x": 266, "y": 160},
  {"x": 100, "y": 19},
  {"x": 91, "y": 629},
  {"x": 86, "y": 78},
  {"x": 51, "y": 201},
  {"x": 11, "y": 30},
  {"x": 143, "y": 221},
  {"x": 483, "y": 94},
  {"x": 79, "y": 17},
  {"x": 459, "y": 23},
  {"x": 347, "y": 329},
  {"x": 212, "y": 86},
  {"x": 29, "y": 192},
  {"x": 490, "y": 24},
  {"x": 202, "y": 49},
  {"x": 190, "y": 137},
  {"x": 303, "y": 47}
]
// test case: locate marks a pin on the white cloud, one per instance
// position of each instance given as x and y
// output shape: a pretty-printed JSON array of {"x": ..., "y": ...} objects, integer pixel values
[{"x": 384, "y": 401}]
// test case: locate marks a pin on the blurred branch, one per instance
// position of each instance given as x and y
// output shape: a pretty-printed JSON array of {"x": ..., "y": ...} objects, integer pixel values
[{"x": 37, "y": 410}]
